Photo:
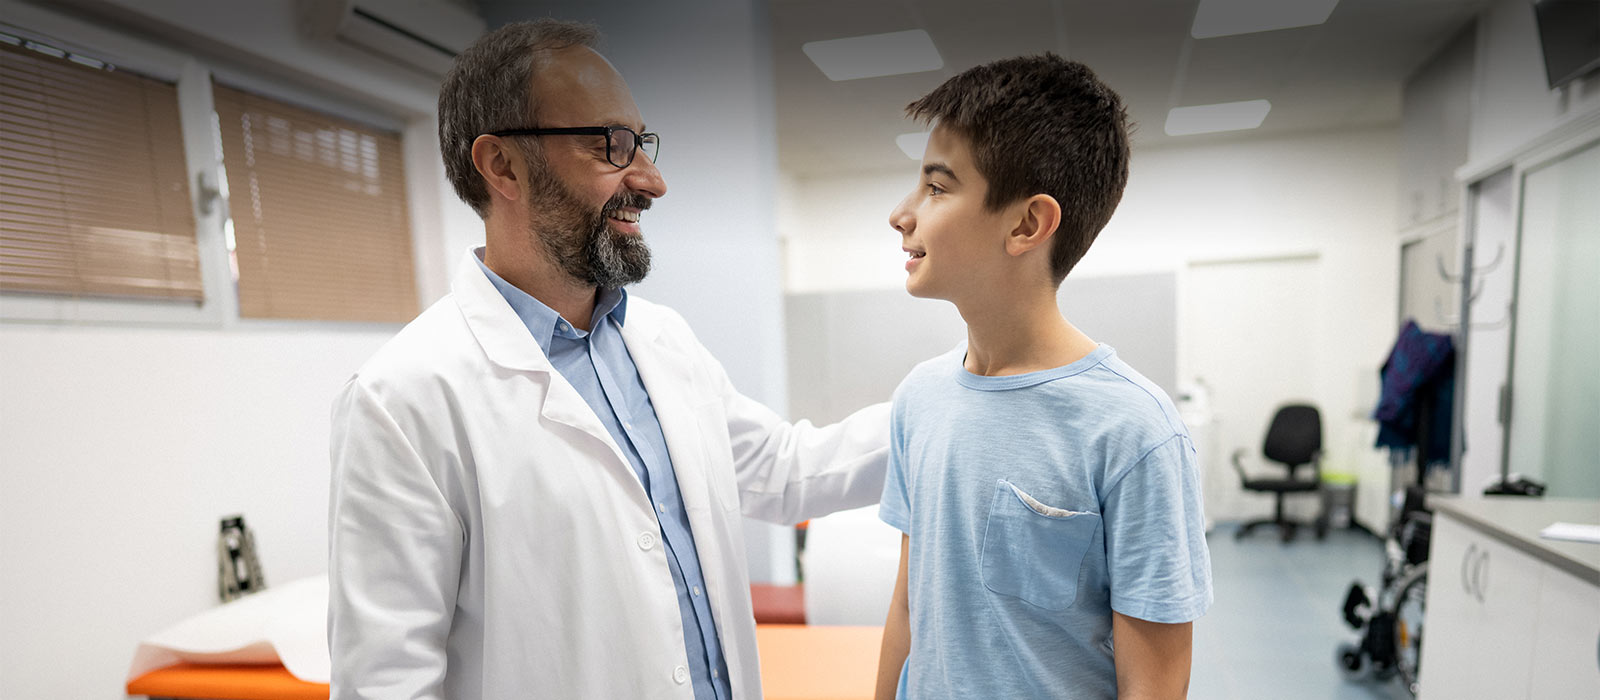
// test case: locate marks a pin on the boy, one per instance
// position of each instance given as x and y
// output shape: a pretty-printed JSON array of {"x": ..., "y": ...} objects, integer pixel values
[{"x": 1054, "y": 544}]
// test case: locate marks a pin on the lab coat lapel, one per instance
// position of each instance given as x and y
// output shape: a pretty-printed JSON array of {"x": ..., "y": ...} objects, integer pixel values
[
  {"x": 505, "y": 340},
  {"x": 668, "y": 378}
]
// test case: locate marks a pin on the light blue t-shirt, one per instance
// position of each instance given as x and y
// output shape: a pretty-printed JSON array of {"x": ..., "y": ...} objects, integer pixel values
[{"x": 1036, "y": 505}]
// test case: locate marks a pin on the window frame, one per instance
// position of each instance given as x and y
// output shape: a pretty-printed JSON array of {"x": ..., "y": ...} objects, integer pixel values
[{"x": 193, "y": 75}]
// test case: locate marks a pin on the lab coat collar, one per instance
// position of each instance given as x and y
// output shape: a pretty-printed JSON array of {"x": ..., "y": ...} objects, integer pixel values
[{"x": 501, "y": 332}]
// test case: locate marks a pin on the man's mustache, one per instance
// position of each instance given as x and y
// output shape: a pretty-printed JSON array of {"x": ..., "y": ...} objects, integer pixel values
[{"x": 625, "y": 200}]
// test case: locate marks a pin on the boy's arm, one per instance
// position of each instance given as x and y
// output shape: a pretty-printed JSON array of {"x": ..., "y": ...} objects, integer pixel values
[
  {"x": 1152, "y": 658},
  {"x": 896, "y": 631}
]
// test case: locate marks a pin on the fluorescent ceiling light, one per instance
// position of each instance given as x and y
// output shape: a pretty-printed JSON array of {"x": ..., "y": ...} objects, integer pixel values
[
  {"x": 874, "y": 55},
  {"x": 1228, "y": 116},
  {"x": 1227, "y": 17},
  {"x": 914, "y": 144}
]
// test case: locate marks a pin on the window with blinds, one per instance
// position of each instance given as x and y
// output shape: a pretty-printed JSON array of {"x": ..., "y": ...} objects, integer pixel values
[
  {"x": 319, "y": 213},
  {"x": 94, "y": 194}
]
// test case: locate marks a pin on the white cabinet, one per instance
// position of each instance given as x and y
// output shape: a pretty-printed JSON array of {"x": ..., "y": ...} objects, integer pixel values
[
  {"x": 1566, "y": 650},
  {"x": 1478, "y": 634},
  {"x": 1503, "y": 624}
]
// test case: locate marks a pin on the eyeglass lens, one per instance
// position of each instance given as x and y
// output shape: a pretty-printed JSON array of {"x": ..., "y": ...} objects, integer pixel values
[{"x": 620, "y": 150}]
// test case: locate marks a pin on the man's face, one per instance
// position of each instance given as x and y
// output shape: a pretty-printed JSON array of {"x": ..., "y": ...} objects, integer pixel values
[
  {"x": 583, "y": 211},
  {"x": 953, "y": 241}
]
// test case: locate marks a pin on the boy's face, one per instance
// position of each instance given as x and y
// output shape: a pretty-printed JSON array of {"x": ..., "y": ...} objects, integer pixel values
[{"x": 956, "y": 244}]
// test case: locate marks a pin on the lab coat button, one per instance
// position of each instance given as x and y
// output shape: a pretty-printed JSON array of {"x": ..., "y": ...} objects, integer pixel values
[
  {"x": 681, "y": 675},
  {"x": 646, "y": 541}
]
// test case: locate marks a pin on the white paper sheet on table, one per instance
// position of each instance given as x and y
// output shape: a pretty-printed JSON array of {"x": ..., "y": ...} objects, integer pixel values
[
  {"x": 285, "y": 624},
  {"x": 1576, "y": 532}
]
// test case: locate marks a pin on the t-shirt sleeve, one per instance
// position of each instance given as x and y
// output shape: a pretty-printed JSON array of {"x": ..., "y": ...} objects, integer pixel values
[
  {"x": 1156, "y": 554},
  {"x": 895, "y": 507}
]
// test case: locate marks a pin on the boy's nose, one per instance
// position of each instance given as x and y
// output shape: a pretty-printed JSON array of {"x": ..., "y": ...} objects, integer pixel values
[{"x": 900, "y": 219}]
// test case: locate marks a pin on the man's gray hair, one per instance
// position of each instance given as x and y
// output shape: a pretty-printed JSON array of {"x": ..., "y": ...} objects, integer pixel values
[{"x": 488, "y": 90}]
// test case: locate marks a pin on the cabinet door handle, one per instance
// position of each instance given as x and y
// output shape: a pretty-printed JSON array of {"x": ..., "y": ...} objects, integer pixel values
[
  {"x": 1466, "y": 560},
  {"x": 1480, "y": 574}
]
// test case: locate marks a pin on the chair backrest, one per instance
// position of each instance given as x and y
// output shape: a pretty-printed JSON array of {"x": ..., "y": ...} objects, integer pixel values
[{"x": 1295, "y": 436}]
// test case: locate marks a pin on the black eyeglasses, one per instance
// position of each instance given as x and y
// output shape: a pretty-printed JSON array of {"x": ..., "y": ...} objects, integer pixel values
[{"x": 621, "y": 142}]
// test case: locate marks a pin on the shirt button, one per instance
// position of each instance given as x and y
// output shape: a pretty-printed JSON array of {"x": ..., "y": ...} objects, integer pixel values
[
  {"x": 680, "y": 675},
  {"x": 646, "y": 541},
  {"x": 661, "y": 507},
  {"x": 696, "y": 590},
  {"x": 715, "y": 674},
  {"x": 562, "y": 326}
]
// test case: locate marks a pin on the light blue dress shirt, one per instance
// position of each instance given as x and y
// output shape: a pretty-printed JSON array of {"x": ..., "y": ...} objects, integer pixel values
[{"x": 598, "y": 365}]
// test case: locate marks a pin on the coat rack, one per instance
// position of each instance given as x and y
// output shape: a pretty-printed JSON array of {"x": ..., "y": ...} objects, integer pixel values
[{"x": 1471, "y": 281}]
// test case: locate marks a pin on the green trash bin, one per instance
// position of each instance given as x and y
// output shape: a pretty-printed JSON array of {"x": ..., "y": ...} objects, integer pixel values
[{"x": 1338, "y": 499}]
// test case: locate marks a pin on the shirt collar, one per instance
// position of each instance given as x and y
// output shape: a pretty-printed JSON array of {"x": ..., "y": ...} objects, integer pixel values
[{"x": 542, "y": 321}]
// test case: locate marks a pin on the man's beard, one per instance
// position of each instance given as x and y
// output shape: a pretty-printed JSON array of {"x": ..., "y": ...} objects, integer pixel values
[{"x": 580, "y": 241}]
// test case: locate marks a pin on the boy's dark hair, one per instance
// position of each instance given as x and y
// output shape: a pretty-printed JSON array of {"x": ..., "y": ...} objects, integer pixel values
[{"x": 1041, "y": 125}]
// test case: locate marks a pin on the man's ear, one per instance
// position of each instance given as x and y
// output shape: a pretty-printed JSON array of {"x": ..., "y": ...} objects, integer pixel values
[
  {"x": 496, "y": 162},
  {"x": 1039, "y": 217}
]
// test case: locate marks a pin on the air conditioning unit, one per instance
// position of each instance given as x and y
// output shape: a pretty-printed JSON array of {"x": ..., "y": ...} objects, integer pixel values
[{"x": 423, "y": 34}]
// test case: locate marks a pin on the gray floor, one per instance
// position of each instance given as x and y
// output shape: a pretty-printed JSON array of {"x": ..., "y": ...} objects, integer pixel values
[{"x": 1275, "y": 625}]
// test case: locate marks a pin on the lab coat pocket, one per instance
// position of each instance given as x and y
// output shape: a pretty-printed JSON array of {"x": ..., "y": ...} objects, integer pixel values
[{"x": 1034, "y": 551}]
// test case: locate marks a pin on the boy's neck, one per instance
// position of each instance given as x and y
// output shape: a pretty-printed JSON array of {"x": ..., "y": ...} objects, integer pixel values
[{"x": 1025, "y": 335}]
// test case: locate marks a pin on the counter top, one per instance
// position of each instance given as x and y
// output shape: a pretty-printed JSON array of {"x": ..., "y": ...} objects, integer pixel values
[{"x": 1517, "y": 520}]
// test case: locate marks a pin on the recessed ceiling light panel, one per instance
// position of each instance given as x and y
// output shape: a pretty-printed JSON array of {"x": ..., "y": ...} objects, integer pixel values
[
  {"x": 1227, "y": 116},
  {"x": 1228, "y": 17},
  {"x": 874, "y": 55},
  {"x": 913, "y": 144}
]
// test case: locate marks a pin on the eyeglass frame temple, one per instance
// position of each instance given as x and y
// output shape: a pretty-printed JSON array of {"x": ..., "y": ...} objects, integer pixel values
[{"x": 606, "y": 131}]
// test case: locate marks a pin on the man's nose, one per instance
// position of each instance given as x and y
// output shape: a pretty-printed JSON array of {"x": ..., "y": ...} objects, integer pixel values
[{"x": 643, "y": 177}]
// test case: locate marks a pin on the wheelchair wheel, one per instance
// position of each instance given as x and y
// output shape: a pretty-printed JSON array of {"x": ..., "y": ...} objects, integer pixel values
[
  {"x": 1352, "y": 663},
  {"x": 1409, "y": 613}
]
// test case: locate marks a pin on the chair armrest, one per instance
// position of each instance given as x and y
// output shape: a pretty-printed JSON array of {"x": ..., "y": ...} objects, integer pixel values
[{"x": 1238, "y": 465}]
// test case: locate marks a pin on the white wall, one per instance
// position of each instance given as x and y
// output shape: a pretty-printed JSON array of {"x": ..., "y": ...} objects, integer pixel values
[
  {"x": 1512, "y": 102},
  {"x": 1327, "y": 193},
  {"x": 121, "y": 446},
  {"x": 121, "y": 449}
]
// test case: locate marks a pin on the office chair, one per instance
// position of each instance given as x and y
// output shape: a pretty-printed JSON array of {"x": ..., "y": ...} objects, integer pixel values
[{"x": 1294, "y": 439}]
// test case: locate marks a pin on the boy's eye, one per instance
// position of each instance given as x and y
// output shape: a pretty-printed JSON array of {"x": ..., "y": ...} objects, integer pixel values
[{"x": 935, "y": 189}]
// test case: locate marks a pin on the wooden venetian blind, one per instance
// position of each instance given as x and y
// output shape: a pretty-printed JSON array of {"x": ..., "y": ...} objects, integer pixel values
[
  {"x": 94, "y": 193},
  {"x": 319, "y": 213}
]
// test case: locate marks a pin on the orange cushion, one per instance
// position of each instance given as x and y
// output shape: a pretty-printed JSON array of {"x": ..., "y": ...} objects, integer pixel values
[
  {"x": 800, "y": 662},
  {"x": 187, "y": 680},
  {"x": 797, "y": 663}
]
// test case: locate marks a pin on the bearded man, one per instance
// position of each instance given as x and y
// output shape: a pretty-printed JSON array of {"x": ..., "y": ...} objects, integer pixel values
[{"x": 538, "y": 484}]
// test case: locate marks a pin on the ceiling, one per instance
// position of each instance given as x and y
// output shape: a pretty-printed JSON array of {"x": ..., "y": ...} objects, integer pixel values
[{"x": 1344, "y": 73}]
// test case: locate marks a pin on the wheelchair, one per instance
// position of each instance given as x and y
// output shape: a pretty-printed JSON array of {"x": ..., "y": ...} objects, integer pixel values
[{"x": 1390, "y": 618}]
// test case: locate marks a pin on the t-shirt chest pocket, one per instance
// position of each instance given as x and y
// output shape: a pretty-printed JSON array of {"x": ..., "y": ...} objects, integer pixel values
[{"x": 1034, "y": 551}]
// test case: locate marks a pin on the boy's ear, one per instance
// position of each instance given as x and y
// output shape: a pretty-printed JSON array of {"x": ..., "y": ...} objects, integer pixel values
[{"x": 1040, "y": 215}]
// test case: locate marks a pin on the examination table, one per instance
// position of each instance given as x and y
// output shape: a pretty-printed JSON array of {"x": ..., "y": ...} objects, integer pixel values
[{"x": 798, "y": 662}]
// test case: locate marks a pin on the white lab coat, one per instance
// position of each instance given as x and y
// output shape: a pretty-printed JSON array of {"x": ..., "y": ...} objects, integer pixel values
[{"x": 489, "y": 539}]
